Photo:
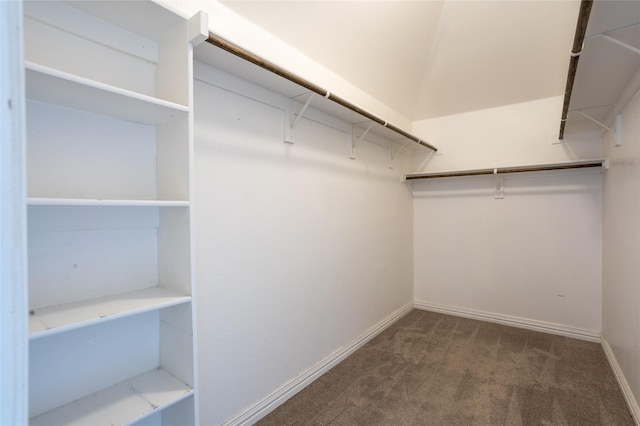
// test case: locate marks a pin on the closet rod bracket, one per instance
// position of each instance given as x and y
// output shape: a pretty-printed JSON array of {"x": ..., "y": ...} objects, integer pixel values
[
  {"x": 352, "y": 143},
  {"x": 499, "y": 194},
  {"x": 289, "y": 129},
  {"x": 617, "y": 130},
  {"x": 618, "y": 42}
]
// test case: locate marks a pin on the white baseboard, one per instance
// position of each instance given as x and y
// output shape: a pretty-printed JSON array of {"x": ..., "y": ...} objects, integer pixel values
[
  {"x": 622, "y": 381},
  {"x": 295, "y": 385},
  {"x": 546, "y": 327}
]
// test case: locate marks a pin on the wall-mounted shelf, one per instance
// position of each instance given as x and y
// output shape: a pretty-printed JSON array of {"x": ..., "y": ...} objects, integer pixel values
[
  {"x": 514, "y": 169},
  {"x": 233, "y": 60},
  {"x": 605, "y": 68}
]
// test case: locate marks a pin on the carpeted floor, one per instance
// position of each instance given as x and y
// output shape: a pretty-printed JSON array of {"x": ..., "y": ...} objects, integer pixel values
[{"x": 434, "y": 369}]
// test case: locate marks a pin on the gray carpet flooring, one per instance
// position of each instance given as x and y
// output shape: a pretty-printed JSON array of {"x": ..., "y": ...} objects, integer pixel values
[{"x": 434, "y": 369}]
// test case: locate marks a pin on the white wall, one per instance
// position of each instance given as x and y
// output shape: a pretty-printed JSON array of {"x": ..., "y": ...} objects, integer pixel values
[
  {"x": 621, "y": 262},
  {"x": 510, "y": 135},
  {"x": 533, "y": 257},
  {"x": 298, "y": 248}
]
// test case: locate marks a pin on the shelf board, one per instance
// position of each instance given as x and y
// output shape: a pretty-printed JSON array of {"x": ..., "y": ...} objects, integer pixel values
[
  {"x": 122, "y": 404},
  {"x": 71, "y": 91},
  {"x": 516, "y": 169},
  {"x": 68, "y": 316},
  {"x": 237, "y": 67},
  {"x": 89, "y": 202}
]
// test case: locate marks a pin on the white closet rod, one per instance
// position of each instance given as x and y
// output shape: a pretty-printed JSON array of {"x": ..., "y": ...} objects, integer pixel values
[
  {"x": 517, "y": 169},
  {"x": 250, "y": 57}
]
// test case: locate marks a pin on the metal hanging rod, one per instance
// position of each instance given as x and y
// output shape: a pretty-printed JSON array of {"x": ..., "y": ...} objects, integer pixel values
[
  {"x": 578, "y": 41},
  {"x": 517, "y": 169},
  {"x": 275, "y": 69}
]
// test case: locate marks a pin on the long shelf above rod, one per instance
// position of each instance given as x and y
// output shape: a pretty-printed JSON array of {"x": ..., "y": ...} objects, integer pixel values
[
  {"x": 576, "y": 50},
  {"x": 238, "y": 51},
  {"x": 516, "y": 169}
]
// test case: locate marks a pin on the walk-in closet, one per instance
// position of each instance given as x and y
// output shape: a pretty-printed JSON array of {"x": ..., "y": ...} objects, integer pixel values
[{"x": 213, "y": 209}]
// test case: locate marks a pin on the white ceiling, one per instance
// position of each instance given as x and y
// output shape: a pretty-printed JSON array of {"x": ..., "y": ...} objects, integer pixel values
[{"x": 431, "y": 58}]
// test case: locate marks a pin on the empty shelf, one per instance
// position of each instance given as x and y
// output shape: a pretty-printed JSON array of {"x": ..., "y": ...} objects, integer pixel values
[
  {"x": 88, "y": 202},
  {"x": 71, "y": 91},
  {"x": 121, "y": 404},
  {"x": 59, "y": 318}
]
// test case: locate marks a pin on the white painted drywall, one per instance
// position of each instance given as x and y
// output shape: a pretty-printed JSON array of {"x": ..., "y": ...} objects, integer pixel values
[
  {"x": 534, "y": 256},
  {"x": 298, "y": 249},
  {"x": 621, "y": 246}
]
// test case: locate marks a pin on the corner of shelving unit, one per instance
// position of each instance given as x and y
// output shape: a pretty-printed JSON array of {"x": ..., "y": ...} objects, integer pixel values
[{"x": 198, "y": 28}]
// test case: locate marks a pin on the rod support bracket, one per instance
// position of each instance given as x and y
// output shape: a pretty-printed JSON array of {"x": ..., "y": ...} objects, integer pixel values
[
  {"x": 293, "y": 119},
  {"x": 619, "y": 43},
  {"x": 499, "y": 194},
  {"x": 353, "y": 143},
  {"x": 617, "y": 130}
]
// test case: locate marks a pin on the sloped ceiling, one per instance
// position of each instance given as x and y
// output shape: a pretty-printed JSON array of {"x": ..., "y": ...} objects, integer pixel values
[{"x": 431, "y": 58}]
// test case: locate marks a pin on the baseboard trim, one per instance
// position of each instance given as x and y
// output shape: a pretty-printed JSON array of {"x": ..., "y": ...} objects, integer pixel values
[
  {"x": 622, "y": 381},
  {"x": 295, "y": 385},
  {"x": 546, "y": 327}
]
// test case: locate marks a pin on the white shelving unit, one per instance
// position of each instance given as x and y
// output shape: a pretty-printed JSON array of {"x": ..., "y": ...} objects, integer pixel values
[{"x": 109, "y": 146}]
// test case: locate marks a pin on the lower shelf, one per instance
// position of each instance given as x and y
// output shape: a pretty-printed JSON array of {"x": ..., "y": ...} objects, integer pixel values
[{"x": 122, "y": 404}]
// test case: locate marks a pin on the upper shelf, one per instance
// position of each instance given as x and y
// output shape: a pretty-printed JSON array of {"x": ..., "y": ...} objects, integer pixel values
[
  {"x": 605, "y": 68},
  {"x": 71, "y": 91},
  {"x": 328, "y": 103}
]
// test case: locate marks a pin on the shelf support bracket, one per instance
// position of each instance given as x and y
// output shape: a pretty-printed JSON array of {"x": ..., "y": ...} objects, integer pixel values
[
  {"x": 617, "y": 131},
  {"x": 499, "y": 194},
  {"x": 351, "y": 146},
  {"x": 391, "y": 157},
  {"x": 352, "y": 143},
  {"x": 619, "y": 43},
  {"x": 289, "y": 130}
]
